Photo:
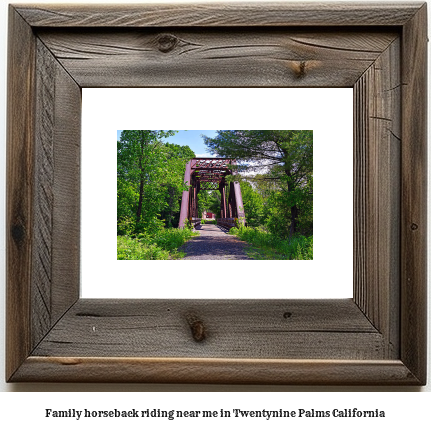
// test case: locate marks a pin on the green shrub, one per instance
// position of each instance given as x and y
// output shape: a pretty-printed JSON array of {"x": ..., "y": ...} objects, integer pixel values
[
  {"x": 132, "y": 249},
  {"x": 125, "y": 226},
  {"x": 162, "y": 245},
  {"x": 171, "y": 239},
  {"x": 270, "y": 246}
]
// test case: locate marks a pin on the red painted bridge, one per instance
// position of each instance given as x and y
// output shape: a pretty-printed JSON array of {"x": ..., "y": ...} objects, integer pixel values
[{"x": 210, "y": 174}]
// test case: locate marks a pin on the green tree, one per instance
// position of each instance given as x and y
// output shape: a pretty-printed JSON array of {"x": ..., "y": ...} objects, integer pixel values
[
  {"x": 204, "y": 197},
  {"x": 150, "y": 176},
  {"x": 281, "y": 156},
  {"x": 176, "y": 156},
  {"x": 253, "y": 205},
  {"x": 214, "y": 202}
]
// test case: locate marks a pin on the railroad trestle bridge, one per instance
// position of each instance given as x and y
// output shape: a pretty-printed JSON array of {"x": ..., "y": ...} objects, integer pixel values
[{"x": 210, "y": 174}]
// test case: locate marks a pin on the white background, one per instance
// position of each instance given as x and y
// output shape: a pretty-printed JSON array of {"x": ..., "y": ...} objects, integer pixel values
[
  {"x": 328, "y": 112},
  {"x": 407, "y": 410}
]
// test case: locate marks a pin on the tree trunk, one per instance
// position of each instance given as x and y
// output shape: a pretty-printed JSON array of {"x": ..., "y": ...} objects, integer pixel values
[
  {"x": 294, "y": 213},
  {"x": 294, "y": 210},
  {"x": 141, "y": 198},
  {"x": 141, "y": 183}
]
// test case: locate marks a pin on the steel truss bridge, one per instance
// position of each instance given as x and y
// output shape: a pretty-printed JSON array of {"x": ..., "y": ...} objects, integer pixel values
[{"x": 210, "y": 174}]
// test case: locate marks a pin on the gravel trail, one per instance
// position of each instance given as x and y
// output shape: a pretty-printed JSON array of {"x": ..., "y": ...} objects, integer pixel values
[{"x": 213, "y": 243}]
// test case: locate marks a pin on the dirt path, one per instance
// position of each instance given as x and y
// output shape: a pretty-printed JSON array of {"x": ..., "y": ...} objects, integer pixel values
[{"x": 214, "y": 244}]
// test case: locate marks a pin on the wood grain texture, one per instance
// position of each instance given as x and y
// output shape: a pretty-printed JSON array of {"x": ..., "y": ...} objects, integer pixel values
[
  {"x": 220, "y": 14},
  {"x": 43, "y": 194},
  {"x": 377, "y": 101},
  {"x": 19, "y": 200},
  {"x": 414, "y": 195},
  {"x": 211, "y": 57},
  {"x": 55, "y": 268},
  {"x": 216, "y": 371},
  {"x": 234, "y": 329},
  {"x": 66, "y": 190}
]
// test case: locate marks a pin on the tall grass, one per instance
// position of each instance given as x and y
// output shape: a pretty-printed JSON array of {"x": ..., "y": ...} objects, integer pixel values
[
  {"x": 271, "y": 247},
  {"x": 162, "y": 245}
]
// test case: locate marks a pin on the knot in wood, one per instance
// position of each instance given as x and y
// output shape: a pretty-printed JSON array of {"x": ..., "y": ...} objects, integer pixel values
[
  {"x": 414, "y": 226},
  {"x": 167, "y": 42},
  {"x": 18, "y": 233},
  {"x": 300, "y": 69},
  {"x": 197, "y": 328}
]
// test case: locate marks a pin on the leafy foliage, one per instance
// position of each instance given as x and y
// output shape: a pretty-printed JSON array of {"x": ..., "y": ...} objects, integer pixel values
[
  {"x": 279, "y": 166},
  {"x": 132, "y": 249},
  {"x": 254, "y": 205},
  {"x": 272, "y": 247},
  {"x": 150, "y": 176},
  {"x": 162, "y": 246},
  {"x": 275, "y": 170}
]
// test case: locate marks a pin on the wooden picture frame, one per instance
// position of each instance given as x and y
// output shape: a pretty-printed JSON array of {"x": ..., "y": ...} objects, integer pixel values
[{"x": 378, "y": 337}]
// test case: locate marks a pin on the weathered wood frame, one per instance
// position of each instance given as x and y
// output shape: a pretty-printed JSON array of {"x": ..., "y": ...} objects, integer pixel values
[{"x": 378, "y": 337}]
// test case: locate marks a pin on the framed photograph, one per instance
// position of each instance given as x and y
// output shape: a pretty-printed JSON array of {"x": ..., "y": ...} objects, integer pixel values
[{"x": 377, "y": 337}]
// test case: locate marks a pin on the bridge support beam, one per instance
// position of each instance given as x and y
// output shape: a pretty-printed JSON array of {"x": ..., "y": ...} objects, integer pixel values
[
  {"x": 222, "y": 189},
  {"x": 185, "y": 197},
  {"x": 238, "y": 201},
  {"x": 208, "y": 174}
]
